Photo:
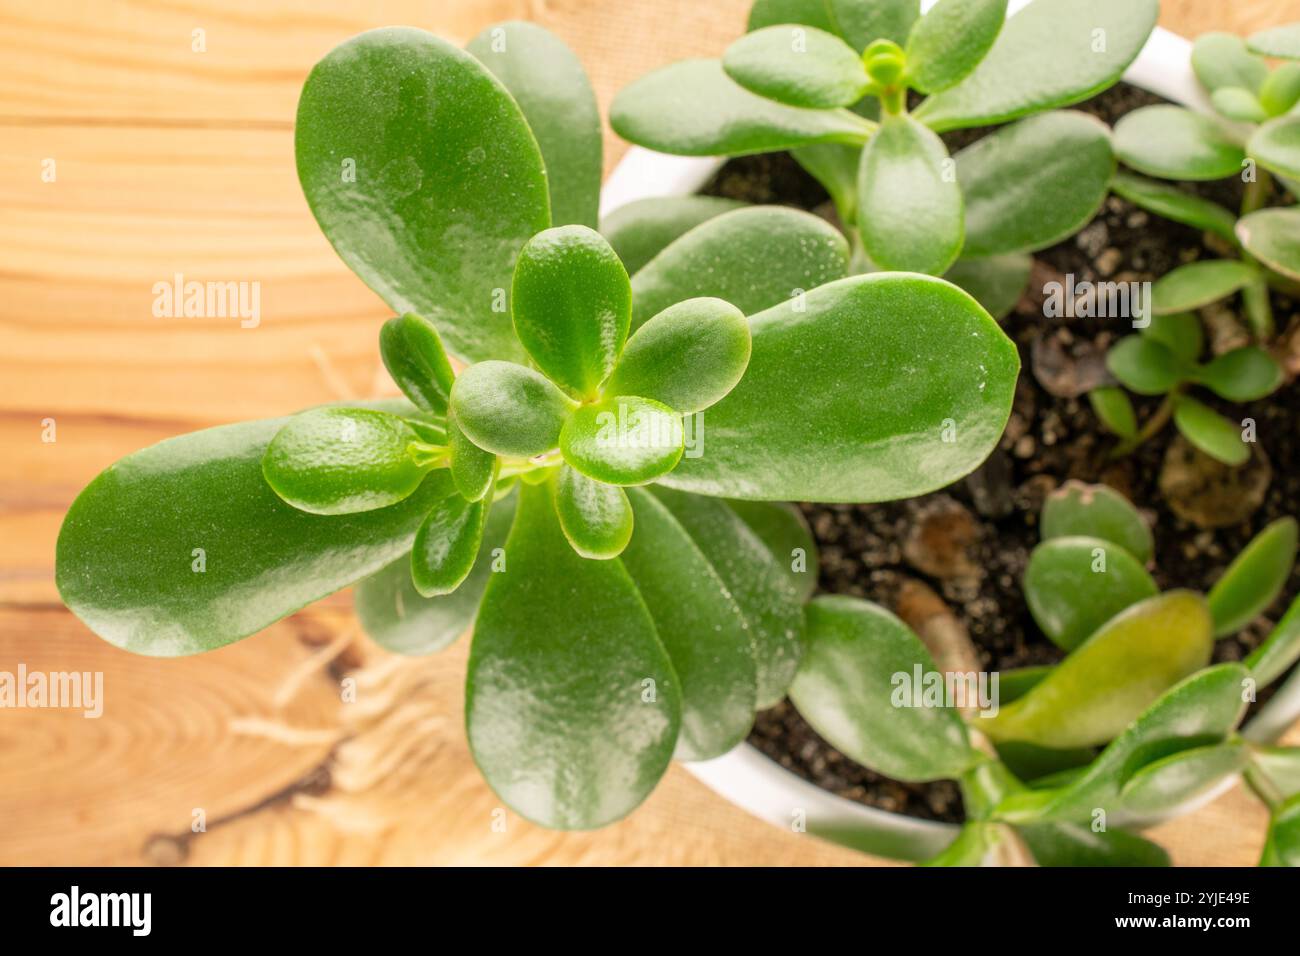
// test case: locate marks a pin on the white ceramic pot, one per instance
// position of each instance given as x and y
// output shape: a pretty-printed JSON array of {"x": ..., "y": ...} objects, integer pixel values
[{"x": 745, "y": 776}]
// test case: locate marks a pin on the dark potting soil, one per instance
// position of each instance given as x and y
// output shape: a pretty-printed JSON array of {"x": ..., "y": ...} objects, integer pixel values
[{"x": 969, "y": 543}]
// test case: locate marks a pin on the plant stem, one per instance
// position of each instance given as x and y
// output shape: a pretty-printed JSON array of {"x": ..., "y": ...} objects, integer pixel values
[{"x": 1151, "y": 427}]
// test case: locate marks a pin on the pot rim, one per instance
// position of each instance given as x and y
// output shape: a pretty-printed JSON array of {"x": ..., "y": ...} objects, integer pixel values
[{"x": 747, "y": 777}]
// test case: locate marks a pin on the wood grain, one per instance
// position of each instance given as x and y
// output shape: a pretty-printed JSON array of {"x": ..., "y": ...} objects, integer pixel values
[{"x": 168, "y": 161}]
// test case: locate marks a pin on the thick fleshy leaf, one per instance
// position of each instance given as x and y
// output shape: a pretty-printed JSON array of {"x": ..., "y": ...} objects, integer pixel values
[
  {"x": 1004, "y": 177},
  {"x": 1175, "y": 143},
  {"x": 909, "y": 202},
  {"x": 1114, "y": 408},
  {"x": 1145, "y": 366},
  {"x": 785, "y": 532},
  {"x": 797, "y": 65},
  {"x": 768, "y": 599},
  {"x": 1046, "y": 57},
  {"x": 642, "y": 229},
  {"x": 1282, "y": 845},
  {"x": 996, "y": 282},
  {"x": 1283, "y": 42},
  {"x": 1173, "y": 203},
  {"x": 595, "y": 517},
  {"x": 623, "y": 440},
  {"x": 1281, "y": 91},
  {"x": 1255, "y": 578},
  {"x": 1100, "y": 512},
  {"x": 1069, "y": 844},
  {"x": 1222, "y": 60},
  {"x": 1242, "y": 375},
  {"x": 338, "y": 461},
  {"x": 447, "y": 544},
  {"x": 155, "y": 561},
  {"x": 974, "y": 846},
  {"x": 687, "y": 357},
  {"x": 693, "y": 108},
  {"x": 702, "y": 627},
  {"x": 508, "y": 409},
  {"x": 1075, "y": 585},
  {"x": 552, "y": 89},
  {"x": 425, "y": 177},
  {"x": 1210, "y": 432},
  {"x": 401, "y": 620},
  {"x": 950, "y": 40},
  {"x": 1273, "y": 237},
  {"x": 412, "y": 353},
  {"x": 571, "y": 717},
  {"x": 849, "y": 689},
  {"x": 572, "y": 304},
  {"x": 471, "y": 466},
  {"x": 1169, "y": 782},
  {"x": 888, "y": 386},
  {"x": 752, "y": 258},
  {"x": 1280, "y": 650},
  {"x": 1279, "y": 765},
  {"x": 1091, "y": 696},
  {"x": 860, "y": 23},
  {"x": 1201, "y": 709},
  {"x": 1198, "y": 284},
  {"x": 1238, "y": 104},
  {"x": 767, "y": 13},
  {"x": 1179, "y": 332},
  {"x": 1276, "y": 146}
]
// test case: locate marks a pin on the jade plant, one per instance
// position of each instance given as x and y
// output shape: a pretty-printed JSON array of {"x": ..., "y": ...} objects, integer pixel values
[
  {"x": 585, "y": 467},
  {"x": 834, "y": 83},
  {"x": 1058, "y": 763}
]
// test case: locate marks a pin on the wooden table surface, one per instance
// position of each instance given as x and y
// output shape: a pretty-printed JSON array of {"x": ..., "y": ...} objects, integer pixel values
[{"x": 166, "y": 160}]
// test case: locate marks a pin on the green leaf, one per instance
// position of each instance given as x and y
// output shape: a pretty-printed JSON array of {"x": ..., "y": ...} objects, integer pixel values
[
  {"x": 1099, "y": 511},
  {"x": 1145, "y": 366},
  {"x": 761, "y": 588},
  {"x": 642, "y": 229},
  {"x": 1198, "y": 284},
  {"x": 551, "y": 87},
  {"x": 1112, "y": 405},
  {"x": 835, "y": 166},
  {"x": 948, "y": 42},
  {"x": 975, "y": 846},
  {"x": 1222, "y": 60},
  {"x": 1172, "y": 203},
  {"x": 1282, "y": 42},
  {"x": 871, "y": 388},
  {"x": 752, "y": 258},
  {"x": 860, "y": 23},
  {"x": 407, "y": 145},
  {"x": 996, "y": 282},
  {"x": 1075, "y": 585},
  {"x": 413, "y": 354},
  {"x": 1238, "y": 104},
  {"x": 702, "y": 627},
  {"x": 1282, "y": 845},
  {"x": 1242, "y": 375},
  {"x": 595, "y": 517},
  {"x": 447, "y": 545},
  {"x": 1165, "y": 784},
  {"x": 1179, "y": 332},
  {"x": 1174, "y": 143},
  {"x": 1069, "y": 844},
  {"x": 572, "y": 304},
  {"x": 1006, "y": 175},
  {"x": 338, "y": 461},
  {"x": 1109, "y": 679},
  {"x": 1280, "y": 765},
  {"x": 797, "y": 65},
  {"x": 1280, "y": 649},
  {"x": 692, "y": 108},
  {"x": 471, "y": 466},
  {"x": 1281, "y": 91},
  {"x": 766, "y": 13},
  {"x": 687, "y": 357},
  {"x": 1254, "y": 579},
  {"x": 1045, "y": 57},
  {"x": 850, "y": 690},
  {"x": 623, "y": 440},
  {"x": 783, "y": 529},
  {"x": 572, "y": 718},
  {"x": 183, "y": 547},
  {"x": 909, "y": 203},
  {"x": 1273, "y": 237},
  {"x": 1210, "y": 432},
  {"x": 508, "y": 409},
  {"x": 399, "y": 619},
  {"x": 1276, "y": 146}
]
